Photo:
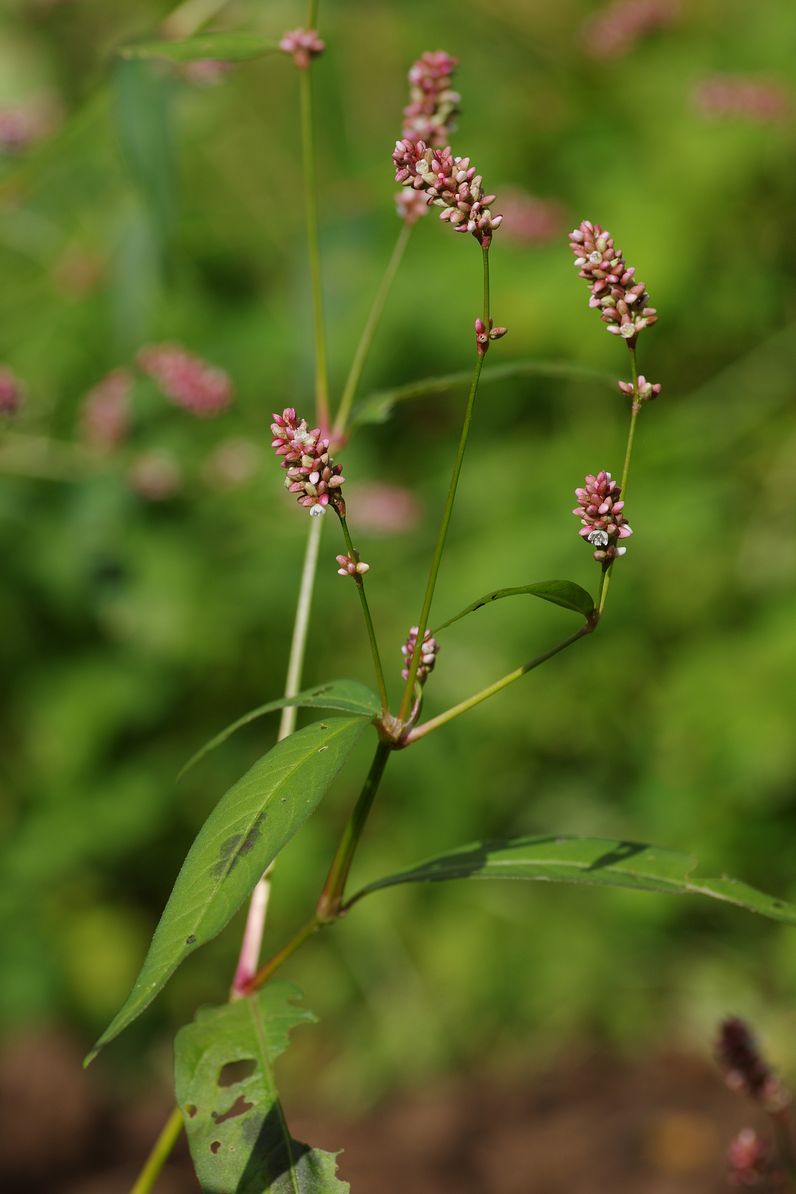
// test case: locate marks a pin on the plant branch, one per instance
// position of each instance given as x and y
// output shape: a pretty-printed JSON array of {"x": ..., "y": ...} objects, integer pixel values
[
  {"x": 160, "y": 1153},
  {"x": 485, "y": 693},
  {"x": 311, "y": 211},
  {"x": 369, "y": 331},
  {"x": 422, "y": 622},
  {"x": 635, "y": 407},
  {"x": 359, "y": 580}
]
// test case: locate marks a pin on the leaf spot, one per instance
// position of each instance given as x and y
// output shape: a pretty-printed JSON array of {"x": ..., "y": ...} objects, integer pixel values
[
  {"x": 191, "y": 940},
  {"x": 234, "y": 848},
  {"x": 215, "y": 1146},
  {"x": 239, "y": 1107},
  {"x": 777, "y": 904},
  {"x": 191, "y": 1110},
  {"x": 236, "y": 1071},
  {"x": 321, "y": 749}
]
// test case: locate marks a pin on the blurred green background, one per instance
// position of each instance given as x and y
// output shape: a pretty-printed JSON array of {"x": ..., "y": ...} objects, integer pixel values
[{"x": 153, "y": 209}]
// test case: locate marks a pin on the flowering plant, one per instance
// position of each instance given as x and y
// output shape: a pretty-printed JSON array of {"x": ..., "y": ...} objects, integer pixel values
[{"x": 227, "y": 1098}]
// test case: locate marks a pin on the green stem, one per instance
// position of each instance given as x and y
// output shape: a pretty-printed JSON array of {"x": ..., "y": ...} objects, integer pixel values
[
  {"x": 281, "y": 956},
  {"x": 369, "y": 330},
  {"x": 160, "y": 1153},
  {"x": 463, "y": 707},
  {"x": 334, "y": 888},
  {"x": 312, "y": 14},
  {"x": 359, "y": 580},
  {"x": 422, "y": 622},
  {"x": 311, "y": 210},
  {"x": 605, "y": 579}
]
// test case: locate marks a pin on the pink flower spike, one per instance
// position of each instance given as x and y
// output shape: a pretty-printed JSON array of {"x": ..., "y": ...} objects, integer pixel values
[
  {"x": 601, "y": 512},
  {"x": 429, "y": 649},
  {"x": 12, "y": 392}
]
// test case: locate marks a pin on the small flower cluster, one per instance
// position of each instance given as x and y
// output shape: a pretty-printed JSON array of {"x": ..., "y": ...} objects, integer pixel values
[
  {"x": 745, "y": 1069},
  {"x": 448, "y": 182},
  {"x": 614, "y": 32},
  {"x": 431, "y": 113},
  {"x": 601, "y": 514},
  {"x": 647, "y": 390},
  {"x": 105, "y": 416},
  {"x": 484, "y": 334},
  {"x": 311, "y": 472},
  {"x": 428, "y": 655},
  {"x": 12, "y": 392},
  {"x": 621, "y": 301},
  {"x": 303, "y": 45},
  {"x": 351, "y": 567},
  {"x": 186, "y": 380}
]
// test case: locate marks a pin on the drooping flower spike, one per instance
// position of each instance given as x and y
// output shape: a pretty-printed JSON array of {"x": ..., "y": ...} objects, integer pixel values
[
  {"x": 615, "y": 293},
  {"x": 601, "y": 512},
  {"x": 311, "y": 472}
]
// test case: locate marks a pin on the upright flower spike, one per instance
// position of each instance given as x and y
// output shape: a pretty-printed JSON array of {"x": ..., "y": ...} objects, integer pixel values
[
  {"x": 615, "y": 293},
  {"x": 450, "y": 183},
  {"x": 433, "y": 108},
  {"x": 105, "y": 414},
  {"x": 600, "y": 511},
  {"x": 302, "y": 45},
  {"x": 428, "y": 654},
  {"x": 311, "y": 473}
]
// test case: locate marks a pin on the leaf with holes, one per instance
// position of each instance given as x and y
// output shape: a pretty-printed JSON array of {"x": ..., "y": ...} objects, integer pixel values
[
  {"x": 241, "y": 837},
  {"x": 598, "y": 862},
  {"x": 346, "y": 696},
  {"x": 226, "y": 1091},
  {"x": 222, "y": 47},
  {"x": 558, "y": 592}
]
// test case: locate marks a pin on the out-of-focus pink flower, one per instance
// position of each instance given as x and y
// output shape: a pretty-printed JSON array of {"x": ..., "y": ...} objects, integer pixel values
[
  {"x": 763, "y": 101},
  {"x": 233, "y": 463},
  {"x": 202, "y": 389},
  {"x": 431, "y": 113},
  {"x": 749, "y": 1163},
  {"x": 385, "y": 509},
  {"x": 105, "y": 415},
  {"x": 411, "y": 205},
  {"x": 206, "y": 72},
  {"x": 745, "y": 1069},
  {"x": 529, "y": 220},
  {"x": 617, "y": 29},
  {"x": 156, "y": 476},
  {"x": 22, "y": 125},
  {"x": 303, "y": 45},
  {"x": 12, "y": 391}
]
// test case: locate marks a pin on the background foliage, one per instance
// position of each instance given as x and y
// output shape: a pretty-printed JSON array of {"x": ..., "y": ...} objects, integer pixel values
[{"x": 132, "y": 630}]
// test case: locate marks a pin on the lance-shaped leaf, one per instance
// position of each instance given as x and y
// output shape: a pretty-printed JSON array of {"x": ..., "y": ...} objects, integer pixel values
[
  {"x": 559, "y": 592},
  {"x": 598, "y": 862},
  {"x": 346, "y": 696},
  {"x": 226, "y": 1091},
  {"x": 241, "y": 837},
  {"x": 378, "y": 407},
  {"x": 223, "y": 47}
]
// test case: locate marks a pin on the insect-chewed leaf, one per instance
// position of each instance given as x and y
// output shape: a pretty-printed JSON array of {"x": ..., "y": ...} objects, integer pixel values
[
  {"x": 223, "y": 47},
  {"x": 226, "y": 1091},
  {"x": 243, "y": 834},
  {"x": 346, "y": 696},
  {"x": 558, "y": 592},
  {"x": 597, "y": 862}
]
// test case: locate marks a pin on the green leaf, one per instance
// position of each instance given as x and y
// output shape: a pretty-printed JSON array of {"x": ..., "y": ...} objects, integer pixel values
[
  {"x": 226, "y": 1091},
  {"x": 347, "y": 696},
  {"x": 560, "y": 592},
  {"x": 224, "y": 47},
  {"x": 598, "y": 862},
  {"x": 241, "y": 837},
  {"x": 378, "y": 407}
]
